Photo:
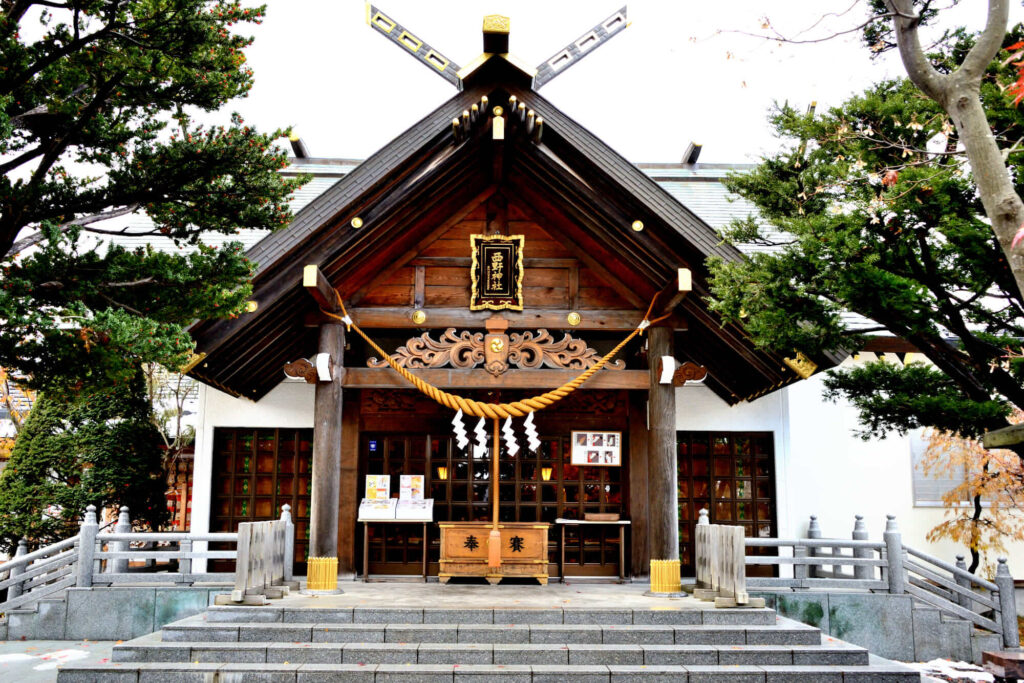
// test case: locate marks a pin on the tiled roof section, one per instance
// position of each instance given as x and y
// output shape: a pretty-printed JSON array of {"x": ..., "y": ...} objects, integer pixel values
[
  {"x": 340, "y": 194},
  {"x": 324, "y": 176}
]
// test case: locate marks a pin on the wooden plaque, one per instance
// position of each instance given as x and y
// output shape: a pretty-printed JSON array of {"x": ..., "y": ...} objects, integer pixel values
[{"x": 496, "y": 272}]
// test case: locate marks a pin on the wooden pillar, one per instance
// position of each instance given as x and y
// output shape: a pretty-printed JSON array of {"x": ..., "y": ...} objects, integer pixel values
[
  {"x": 663, "y": 516},
  {"x": 323, "y": 523},
  {"x": 348, "y": 506},
  {"x": 639, "y": 508}
]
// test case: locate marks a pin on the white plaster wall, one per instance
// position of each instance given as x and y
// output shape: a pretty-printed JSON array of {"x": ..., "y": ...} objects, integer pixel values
[
  {"x": 824, "y": 469},
  {"x": 288, "y": 405},
  {"x": 700, "y": 409}
]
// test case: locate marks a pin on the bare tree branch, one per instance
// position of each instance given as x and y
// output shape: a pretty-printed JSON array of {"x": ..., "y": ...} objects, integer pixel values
[
  {"x": 989, "y": 42},
  {"x": 919, "y": 69},
  {"x": 37, "y": 237}
]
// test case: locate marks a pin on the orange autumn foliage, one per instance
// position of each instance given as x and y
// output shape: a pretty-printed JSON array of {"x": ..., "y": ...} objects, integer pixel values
[
  {"x": 995, "y": 475},
  {"x": 18, "y": 402}
]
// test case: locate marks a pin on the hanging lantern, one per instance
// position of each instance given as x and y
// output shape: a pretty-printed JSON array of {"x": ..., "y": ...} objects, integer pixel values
[
  {"x": 442, "y": 473},
  {"x": 545, "y": 473}
]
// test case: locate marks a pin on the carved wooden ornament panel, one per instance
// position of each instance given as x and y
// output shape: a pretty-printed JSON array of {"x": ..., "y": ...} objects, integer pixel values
[{"x": 527, "y": 350}]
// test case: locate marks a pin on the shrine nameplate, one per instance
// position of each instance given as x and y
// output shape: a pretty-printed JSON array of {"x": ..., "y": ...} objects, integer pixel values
[
  {"x": 524, "y": 550},
  {"x": 496, "y": 272}
]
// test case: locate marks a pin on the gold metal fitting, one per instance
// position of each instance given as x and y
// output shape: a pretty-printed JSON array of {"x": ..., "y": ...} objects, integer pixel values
[
  {"x": 574, "y": 319},
  {"x": 419, "y": 317},
  {"x": 357, "y": 222},
  {"x": 638, "y": 226},
  {"x": 495, "y": 23}
]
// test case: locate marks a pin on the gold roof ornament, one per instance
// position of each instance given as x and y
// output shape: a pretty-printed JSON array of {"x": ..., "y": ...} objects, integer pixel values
[
  {"x": 496, "y": 29},
  {"x": 495, "y": 23},
  {"x": 801, "y": 365}
]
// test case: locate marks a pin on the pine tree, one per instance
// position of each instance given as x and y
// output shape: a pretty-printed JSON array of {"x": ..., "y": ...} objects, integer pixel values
[
  {"x": 872, "y": 211},
  {"x": 98, "y": 448},
  {"x": 97, "y": 107}
]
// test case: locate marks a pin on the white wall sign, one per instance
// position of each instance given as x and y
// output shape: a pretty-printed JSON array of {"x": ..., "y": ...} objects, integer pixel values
[{"x": 597, "y": 449}]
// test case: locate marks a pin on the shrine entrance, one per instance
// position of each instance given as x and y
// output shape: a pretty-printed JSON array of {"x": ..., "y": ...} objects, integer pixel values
[{"x": 539, "y": 486}]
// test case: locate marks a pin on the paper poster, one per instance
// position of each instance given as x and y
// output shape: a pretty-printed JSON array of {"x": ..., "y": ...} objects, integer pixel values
[
  {"x": 378, "y": 486},
  {"x": 371, "y": 509},
  {"x": 603, "y": 449},
  {"x": 421, "y": 510},
  {"x": 411, "y": 487}
]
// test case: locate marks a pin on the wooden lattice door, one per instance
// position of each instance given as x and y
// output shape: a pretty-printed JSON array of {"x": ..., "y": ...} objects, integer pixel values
[
  {"x": 732, "y": 475},
  {"x": 255, "y": 472}
]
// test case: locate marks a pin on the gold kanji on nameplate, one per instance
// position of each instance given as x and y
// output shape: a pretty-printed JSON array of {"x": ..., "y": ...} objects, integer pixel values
[{"x": 496, "y": 272}]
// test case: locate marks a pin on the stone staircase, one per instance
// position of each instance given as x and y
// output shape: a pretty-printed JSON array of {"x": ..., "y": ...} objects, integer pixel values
[{"x": 555, "y": 644}]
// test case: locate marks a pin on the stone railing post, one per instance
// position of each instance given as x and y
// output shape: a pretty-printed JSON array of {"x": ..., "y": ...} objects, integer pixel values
[
  {"x": 800, "y": 570},
  {"x": 123, "y": 526},
  {"x": 963, "y": 582},
  {"x": 702, "y": 517},
  {"x": 813, "y": 531},
  {"x": 289, "y": 541},
  {"x": 1007, "y": 605},
  {"x": 894, "y": 555},
  {"x": 860, "y": 533},
  {"x": 15, "y": 588},
  {"x": 185, "y": 562},
  {"x": 87, "y": 547}
]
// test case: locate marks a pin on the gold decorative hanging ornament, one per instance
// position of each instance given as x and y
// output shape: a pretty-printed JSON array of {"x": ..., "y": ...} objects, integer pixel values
[{"x": 496, "y": 272}]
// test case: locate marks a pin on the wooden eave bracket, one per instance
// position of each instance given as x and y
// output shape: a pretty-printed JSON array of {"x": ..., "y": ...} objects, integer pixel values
[
  {"x": 684, "y": 286},
  {"x": 671, "y": 371},
  {"x": 316, "y": 283}
]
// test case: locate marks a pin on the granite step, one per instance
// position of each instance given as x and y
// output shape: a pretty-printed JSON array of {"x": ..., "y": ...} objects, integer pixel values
[
  {"x": 381, "y": 645},
  {"x": 479, "y": 673},
  {"x": 151, "y": 648},
  {"x": 790, "y": 633},
  {"x": 537, "y": 615}
]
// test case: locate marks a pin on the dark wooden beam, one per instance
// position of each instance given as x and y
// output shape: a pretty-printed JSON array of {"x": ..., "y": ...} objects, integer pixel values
[
  {"x": 320, "y": 289},
  {"x": 386, "y": 378},
  {"x": 552, "y": 319},
  {"x": 683, "y": 286},
  {"x": 465, "y": 261},
  {"x": 889, "y": 345}
]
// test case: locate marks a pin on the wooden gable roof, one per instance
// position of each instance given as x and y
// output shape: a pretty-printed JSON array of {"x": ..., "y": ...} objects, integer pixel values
[{"x": 427, "y": 179}]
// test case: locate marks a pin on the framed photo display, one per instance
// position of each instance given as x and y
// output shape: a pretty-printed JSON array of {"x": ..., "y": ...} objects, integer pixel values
[{"x": 597, "y": 449}]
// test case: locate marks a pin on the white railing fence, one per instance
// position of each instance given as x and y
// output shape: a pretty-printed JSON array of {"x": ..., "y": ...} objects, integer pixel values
[
  {"x": 122, "y": 556},
  {"x": 889, "y": 566}
]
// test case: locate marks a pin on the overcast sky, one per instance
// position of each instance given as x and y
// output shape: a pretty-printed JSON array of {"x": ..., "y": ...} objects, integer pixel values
[{"x": 676, "y": 74}]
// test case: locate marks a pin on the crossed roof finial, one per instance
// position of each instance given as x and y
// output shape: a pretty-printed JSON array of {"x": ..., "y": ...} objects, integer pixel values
[{"x": 496, "y": 34}]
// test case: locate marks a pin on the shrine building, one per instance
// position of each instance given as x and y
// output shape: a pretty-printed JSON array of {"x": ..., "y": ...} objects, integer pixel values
[{"x": 496, "y": 250}]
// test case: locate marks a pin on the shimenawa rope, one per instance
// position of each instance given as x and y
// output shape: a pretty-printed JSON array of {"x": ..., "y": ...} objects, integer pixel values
[{"x": 494, "y": 410}]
